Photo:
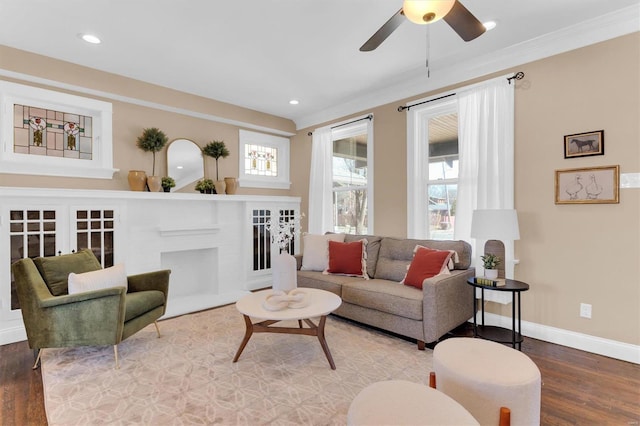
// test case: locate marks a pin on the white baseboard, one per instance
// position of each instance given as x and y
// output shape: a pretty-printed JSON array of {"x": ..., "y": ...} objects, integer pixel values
[
  {"x": 585, "y": 342},
  {"x": 13, "y": 335}
]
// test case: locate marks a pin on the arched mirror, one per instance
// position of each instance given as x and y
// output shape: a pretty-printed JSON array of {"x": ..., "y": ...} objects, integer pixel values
[{"x": 184, "y": 162}]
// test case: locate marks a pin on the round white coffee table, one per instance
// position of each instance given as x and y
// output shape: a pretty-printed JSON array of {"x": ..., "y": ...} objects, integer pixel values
[{"x": 321, "y": 304}]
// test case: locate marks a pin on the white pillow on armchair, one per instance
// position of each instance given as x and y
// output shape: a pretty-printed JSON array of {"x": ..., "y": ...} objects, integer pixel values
[{"x": 115, "y": 276}]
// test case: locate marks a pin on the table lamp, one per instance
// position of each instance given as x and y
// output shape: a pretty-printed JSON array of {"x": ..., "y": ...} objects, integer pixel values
[{"x": 493, "y": 226}]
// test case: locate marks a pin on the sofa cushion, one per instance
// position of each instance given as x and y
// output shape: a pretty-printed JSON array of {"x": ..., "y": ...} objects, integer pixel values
[
  {"x": 332, "y": 283},
  {"x": 140, "y": 302},
  {"x": 348, "y": 258},
  {"x": 386, "y": 296},
  {"x": 316, "y": 251},
  {"x": 115, "y": 276},
  {"x": 396, "y": 255},
  {"x": 55, "y": 269}
]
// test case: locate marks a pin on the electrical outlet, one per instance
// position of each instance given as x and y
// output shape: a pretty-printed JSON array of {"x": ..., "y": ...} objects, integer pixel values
[{"x": 585, "y": 310}]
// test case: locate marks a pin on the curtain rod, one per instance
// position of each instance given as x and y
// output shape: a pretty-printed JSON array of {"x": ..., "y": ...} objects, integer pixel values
[
  {"x": 517, "y": 76},
  {"x": 403, "y": 107},
  {"x": 368, "y": 117}
]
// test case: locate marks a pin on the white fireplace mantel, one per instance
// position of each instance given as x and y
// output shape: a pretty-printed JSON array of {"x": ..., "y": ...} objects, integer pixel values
[{"x": 206, "y": 240}]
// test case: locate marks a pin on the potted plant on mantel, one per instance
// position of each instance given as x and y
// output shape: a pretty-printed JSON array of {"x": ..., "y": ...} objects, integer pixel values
[
  {"x": 206, "y": 186},
  {"x": 217, "y": 149},
  {"x": 152, "y": 140},
  {"x": 490, "y": 262},
  {"x": 167, "y": 183}
]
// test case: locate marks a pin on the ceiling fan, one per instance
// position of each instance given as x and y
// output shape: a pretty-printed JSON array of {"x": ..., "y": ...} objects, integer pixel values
[{"x": 423, "y": 12}]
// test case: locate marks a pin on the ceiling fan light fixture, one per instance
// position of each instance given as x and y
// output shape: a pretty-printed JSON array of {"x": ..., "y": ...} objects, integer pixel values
[{"x": 426, "y": 11}]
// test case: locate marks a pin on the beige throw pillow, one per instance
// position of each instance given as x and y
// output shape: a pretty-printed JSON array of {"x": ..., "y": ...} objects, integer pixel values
[
  {"x": 315, "y": 251},
  {"x": 115, "y": 276}
]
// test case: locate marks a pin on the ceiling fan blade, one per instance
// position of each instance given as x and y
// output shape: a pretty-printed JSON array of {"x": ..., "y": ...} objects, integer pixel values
[
  {"x": 384, "y": 32},
  {"x": 463, "y": 22}
]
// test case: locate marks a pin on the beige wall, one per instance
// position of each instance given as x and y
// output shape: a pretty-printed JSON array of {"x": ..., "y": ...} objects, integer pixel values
[
  {"x": 130, "y": 119},
  {"x": 569, "y": 253}
]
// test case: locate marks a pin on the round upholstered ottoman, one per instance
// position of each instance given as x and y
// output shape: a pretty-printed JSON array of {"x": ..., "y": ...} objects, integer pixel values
[
  {"x": 484, "y": 376},
  {"x": 399, "y": 402}
]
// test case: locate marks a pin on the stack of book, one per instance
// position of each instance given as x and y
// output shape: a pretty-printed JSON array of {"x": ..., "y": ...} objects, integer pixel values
[{"x": 485, "y": 281}]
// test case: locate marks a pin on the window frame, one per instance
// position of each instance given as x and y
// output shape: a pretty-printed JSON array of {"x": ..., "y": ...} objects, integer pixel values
[
  {"x": 351, "y": 129},
  {"x": 417, "y": 155},
  {"x": 282, "y": 144},
  {"x": 101, "y": 164}
]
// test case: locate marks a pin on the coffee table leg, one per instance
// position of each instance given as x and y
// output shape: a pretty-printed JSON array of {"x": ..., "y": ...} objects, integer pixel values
[
  {"x": 323, "y": 342},
  {"x": 247, "y": 336}
]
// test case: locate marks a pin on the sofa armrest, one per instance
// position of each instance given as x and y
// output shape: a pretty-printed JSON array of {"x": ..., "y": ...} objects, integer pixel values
[{"x": 447, "y": 303}]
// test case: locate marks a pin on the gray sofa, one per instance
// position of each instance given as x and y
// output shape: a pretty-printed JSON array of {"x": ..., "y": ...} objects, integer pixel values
[{"x": 444, "y": 303}]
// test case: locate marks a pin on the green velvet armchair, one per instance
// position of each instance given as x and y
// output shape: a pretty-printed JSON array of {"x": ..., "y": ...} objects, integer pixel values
[{"x": 54, "y": 319}]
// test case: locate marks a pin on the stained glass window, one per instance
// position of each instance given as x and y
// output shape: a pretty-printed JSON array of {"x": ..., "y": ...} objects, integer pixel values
[
  {"x": 40, "y": 131},
  {"x": 264, "y": 160},
  {"x": 260, "y": 160}
]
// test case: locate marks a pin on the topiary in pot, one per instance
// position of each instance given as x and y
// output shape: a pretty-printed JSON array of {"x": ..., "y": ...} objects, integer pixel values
[
  {"x": 216, "y": 149},
  {"x": 152, "y": 140}
]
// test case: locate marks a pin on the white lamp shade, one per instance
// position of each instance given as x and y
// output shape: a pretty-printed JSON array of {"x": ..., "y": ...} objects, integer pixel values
[
  {"x": 426, "y": 11},
  {"x": 498, "y": 224}
]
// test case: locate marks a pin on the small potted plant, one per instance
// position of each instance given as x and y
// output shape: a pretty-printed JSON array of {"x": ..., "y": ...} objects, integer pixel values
[
  {"x": 152, "y": 140},
  {"x": 490, "y": 262},
  {"x": 167, "y": 183},
  {"x": 217, "y": 150},
  {"x": 206, "y": 186}
]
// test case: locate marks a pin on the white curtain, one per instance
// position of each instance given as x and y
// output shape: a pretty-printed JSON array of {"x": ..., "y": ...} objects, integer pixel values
[
  {"x": 486, "y": 152},
  {"x": 320, "y": 181}
]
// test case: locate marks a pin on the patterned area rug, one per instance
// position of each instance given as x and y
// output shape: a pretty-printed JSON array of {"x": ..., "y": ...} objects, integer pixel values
[{"x": 187, "y": 376}]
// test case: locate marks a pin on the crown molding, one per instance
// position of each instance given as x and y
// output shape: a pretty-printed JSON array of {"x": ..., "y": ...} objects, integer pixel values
[
  {"x": 28, "y": 78},
  {"x": 450, "y": 71}
]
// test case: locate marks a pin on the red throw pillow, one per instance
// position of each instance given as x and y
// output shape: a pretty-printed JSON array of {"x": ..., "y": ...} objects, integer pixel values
[
  {"x": 347, "y": 258},
  {"x": 426, "y": 263}
]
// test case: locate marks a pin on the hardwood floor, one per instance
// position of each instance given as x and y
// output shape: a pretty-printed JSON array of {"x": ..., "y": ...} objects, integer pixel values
[{"x": 578, "y": 388}]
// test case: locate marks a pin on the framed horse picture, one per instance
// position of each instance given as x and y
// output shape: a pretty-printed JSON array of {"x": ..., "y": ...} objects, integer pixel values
[{"x": 584, "y": 144}]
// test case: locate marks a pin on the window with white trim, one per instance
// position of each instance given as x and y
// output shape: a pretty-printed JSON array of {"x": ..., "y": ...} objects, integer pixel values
[
  {"x": 54, "y": 134},
  {"x": 263, "y": 160},
  {"x": 436, "y": 187},
  {"x": 351, "y": 174}
]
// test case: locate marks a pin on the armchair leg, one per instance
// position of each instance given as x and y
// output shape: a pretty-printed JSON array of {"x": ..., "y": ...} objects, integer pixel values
[
  {"x": 157, "y": 328},
  {"x": 432, "y": 380},
  {"x": 37, "y": 359},
  {"x": 115, "y": 353}
]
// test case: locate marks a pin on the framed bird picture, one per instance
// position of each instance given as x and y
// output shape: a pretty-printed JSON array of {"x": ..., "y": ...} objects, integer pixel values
[{"x": 589, "y": 185}]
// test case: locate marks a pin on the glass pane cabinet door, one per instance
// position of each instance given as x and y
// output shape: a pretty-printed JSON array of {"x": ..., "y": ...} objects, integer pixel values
[
  {"x": 32, "y": 233},
  {"x": 35, "y": 232},
  {"x": 94, "y": 229},
  {"x": 261, "y": 240}
]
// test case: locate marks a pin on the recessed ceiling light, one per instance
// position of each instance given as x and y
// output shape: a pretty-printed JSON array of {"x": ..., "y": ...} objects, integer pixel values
[
  {"x": 489, "y": 25},
  {"x": 294, "y": 102},
  {"x": 90, "y": 38}
]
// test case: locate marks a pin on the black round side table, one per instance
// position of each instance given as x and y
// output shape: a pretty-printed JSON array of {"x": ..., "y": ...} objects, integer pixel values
[{"x": 495, "y": 333}]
